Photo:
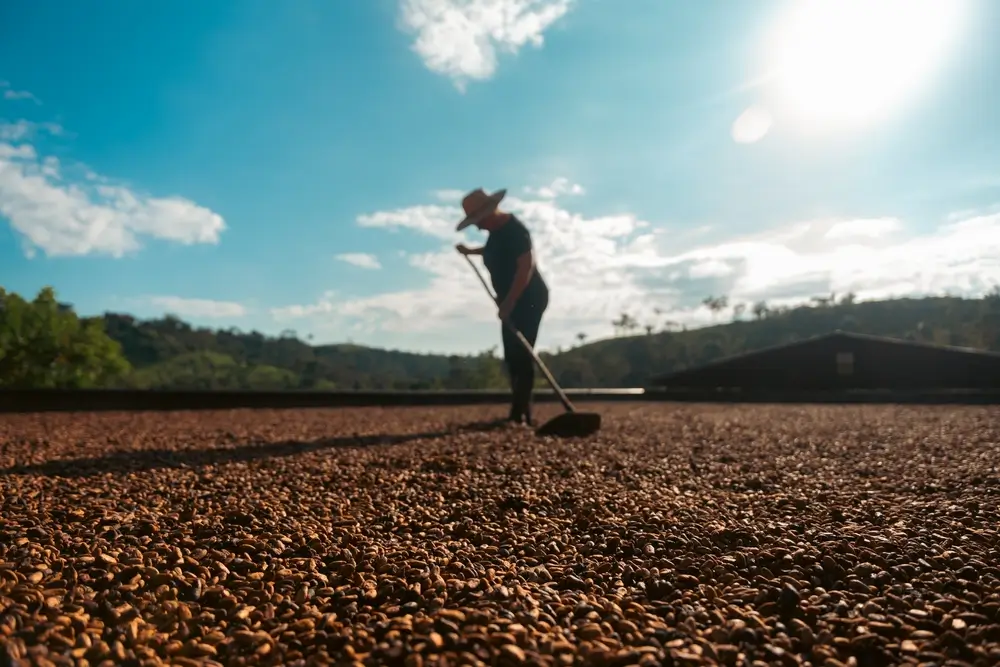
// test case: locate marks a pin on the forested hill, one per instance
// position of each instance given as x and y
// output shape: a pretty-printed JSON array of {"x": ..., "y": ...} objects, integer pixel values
[
  {"x": 628, "y": 361},
  {"x": 44, "y": 343},
  {"x": 169, "y": 352}
]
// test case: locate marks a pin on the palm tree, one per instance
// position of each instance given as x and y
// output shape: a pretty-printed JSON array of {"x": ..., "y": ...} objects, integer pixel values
[
  {"x": 715, "y": 304},
  {"x": 624, "y": 323}
]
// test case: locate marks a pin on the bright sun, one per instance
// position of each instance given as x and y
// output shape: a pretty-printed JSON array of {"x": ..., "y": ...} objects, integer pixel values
[{"x": 854, "y": 60}]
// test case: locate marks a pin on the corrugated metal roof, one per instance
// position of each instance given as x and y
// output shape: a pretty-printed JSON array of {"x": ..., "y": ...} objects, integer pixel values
[{"x": 833, "y": 336}]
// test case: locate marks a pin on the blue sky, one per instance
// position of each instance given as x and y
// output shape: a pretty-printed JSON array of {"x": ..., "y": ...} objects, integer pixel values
[{"x": 273, "y": 165}]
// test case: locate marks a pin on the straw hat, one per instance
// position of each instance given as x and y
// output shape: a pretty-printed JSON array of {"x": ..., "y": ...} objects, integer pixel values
[{"x": 478, "y": 205}]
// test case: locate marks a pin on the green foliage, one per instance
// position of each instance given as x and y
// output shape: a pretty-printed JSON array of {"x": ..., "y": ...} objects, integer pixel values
[
  {"x": 43, "y": 344},
  {"x": 211, "y": 370},
  {"x": 482, "y": 371}
]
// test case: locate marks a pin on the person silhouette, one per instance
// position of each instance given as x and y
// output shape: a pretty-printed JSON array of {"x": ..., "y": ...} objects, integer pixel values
[{"x": 521, "y": 292}]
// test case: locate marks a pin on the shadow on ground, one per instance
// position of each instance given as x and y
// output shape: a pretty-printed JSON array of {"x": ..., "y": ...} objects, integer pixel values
[{"x": 152, "y": 459}]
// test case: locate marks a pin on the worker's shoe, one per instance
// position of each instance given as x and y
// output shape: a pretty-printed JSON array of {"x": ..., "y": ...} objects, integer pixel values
[{"x": 520, "y": 420}]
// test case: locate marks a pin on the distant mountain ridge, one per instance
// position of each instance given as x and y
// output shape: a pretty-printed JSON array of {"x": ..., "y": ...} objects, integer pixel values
[{"x": 169, "y": 352}]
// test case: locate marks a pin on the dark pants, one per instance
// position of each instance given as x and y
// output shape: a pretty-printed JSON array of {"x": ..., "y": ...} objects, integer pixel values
[{"x": 526, "y": 318}]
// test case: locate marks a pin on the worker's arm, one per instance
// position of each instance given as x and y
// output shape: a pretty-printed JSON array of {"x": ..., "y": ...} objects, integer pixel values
[
  {"x": 525, "y": 269},
  {"x": 466, "y": 250}
]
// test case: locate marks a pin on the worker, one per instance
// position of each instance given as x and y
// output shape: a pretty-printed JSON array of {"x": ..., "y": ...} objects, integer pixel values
[{"x": 522, "y": 295}]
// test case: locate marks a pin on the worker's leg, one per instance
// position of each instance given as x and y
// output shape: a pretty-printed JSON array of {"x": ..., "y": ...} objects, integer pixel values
[
  {"x": 527, "y": 319},
  {"x": 511, "y": 348}
]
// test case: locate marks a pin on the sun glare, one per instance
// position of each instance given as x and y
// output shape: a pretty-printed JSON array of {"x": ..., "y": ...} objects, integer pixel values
[{"x": 856, "y": 60}]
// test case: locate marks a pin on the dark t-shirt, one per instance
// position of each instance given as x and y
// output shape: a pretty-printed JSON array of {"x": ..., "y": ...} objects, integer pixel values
[{"x": 500, "y": 254}]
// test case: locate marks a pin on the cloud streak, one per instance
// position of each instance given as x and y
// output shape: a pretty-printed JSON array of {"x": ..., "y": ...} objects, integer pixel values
[
  {"x": 198, "y": 308},
  {"x": 17, "y": 95},
  {"x": 360, "y": 259},
  {"x": 430, "y": 219},
  {"x": 558, "y": 188}
]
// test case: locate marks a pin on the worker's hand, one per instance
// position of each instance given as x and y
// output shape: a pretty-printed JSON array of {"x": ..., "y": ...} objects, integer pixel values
[
  {"x": 504, "y": 310},
  {"x": 464, "y": 249}
]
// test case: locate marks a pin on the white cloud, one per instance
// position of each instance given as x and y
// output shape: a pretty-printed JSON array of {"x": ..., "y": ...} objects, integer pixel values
[
  {"x": 596, "y": 267},
  {"x": 92, "y": 216},
  {"x": 559, "y": 187},
  {"x": 873, "y": 228},
  {"x": 199, "y": 308},
  {"x": 711, "y": 268},
  {"x": 15, "y": 131},
  {"x": 325, "y": 306},
  {"x": 360, "y": 259},
  {"x": 24, "y": 130},
  {"x": 10, "y": 152},
  {"x": 432, "y": 220},
  {"x": 586, "y": 262},
  {"x": 15, "y": 95},
  {"x": 450, "y": 196},
  {"x": 460, "y": 38},
  {"x": 961, "y": 256}
]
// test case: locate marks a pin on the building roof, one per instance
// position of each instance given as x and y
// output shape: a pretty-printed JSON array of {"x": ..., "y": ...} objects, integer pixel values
[{"x": 823, "y": 340}]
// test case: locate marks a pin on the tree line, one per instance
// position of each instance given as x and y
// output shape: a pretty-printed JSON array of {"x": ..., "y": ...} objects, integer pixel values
[
  {"x": 626, "y": 323},
  {"x": 44, "y": 343}
]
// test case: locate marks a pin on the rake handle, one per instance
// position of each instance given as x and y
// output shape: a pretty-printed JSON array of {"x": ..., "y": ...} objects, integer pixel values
[{"x": 527, "y": 346}]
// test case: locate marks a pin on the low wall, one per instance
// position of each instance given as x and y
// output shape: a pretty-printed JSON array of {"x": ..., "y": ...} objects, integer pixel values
[
  {"x": 96, "y": 400},
  {"x": 91, "y": 400},
  {"x": 862, "y": 396}
]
